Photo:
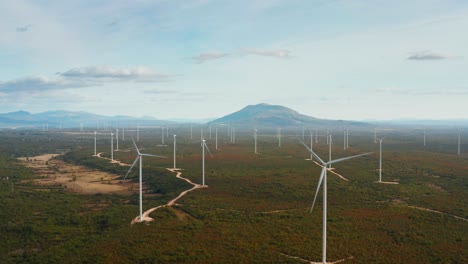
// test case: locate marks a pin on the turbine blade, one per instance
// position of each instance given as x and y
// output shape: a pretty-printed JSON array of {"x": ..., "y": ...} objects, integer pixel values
[
  {"x": 151, "y": 155},
  {"x": 206, "y": 146},
  {"x": 312, "y": 152},
  {"x": 322, "y": 175},
  {"x": 347, "y": 158},
  {"x": 134, "y": 144},
  {"x": 131, "y": 167}
]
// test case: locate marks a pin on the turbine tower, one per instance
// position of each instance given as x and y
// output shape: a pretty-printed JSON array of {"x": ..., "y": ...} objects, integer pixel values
[
  {"x": 203, "y": 146},
  {"x": 117, "y": 137},
  {"x": 323, "y": 179},
  {"x": 112, "y": 147},
  {"x": 380, "y": 159},
  {"x": 174, "y": 152},
  {"x": 95, "y": 154},
  {"x": 140, "y": 157}
]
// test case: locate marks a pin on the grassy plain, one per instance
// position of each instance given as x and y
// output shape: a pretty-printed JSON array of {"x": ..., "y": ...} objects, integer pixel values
[{"x": 255, "y": 210}]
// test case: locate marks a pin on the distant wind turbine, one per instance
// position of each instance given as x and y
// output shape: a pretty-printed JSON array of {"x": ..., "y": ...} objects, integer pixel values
[
  {"x": 95, "y": 154},
  {"x": 117, "y": 137},
  {"x": 140, "y": 157},
  {"x": 323, "y": 179},
  {"x": 174, "y": 152},
  {"x": 380, "y": 158},
  {"x": 203, "y": 146},
  {"x": 112, "y": 147}
]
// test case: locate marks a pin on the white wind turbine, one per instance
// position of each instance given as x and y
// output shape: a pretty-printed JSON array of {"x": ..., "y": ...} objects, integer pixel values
[
  {"x": 174, "y": 152},
  {"x": 112, "y": 147},
  {"x": 203, "y": 146},
  {"x": 323, "y": 179},
  {"x": 140, "y": 157},
  {"x": 95, "y": 154},
  {"x": 380, "y": 159},
  {"x": 117, "y": 137}
]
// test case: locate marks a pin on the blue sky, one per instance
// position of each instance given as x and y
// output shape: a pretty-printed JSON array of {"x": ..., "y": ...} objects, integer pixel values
[{"x": 205, "y": 58}]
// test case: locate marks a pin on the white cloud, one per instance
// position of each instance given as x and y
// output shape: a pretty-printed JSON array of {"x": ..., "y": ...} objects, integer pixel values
[
  {"x": 39, "y": 83},
  {"x": 429, "y": 55},
  {"x": 208, "y": 56},
  {"x": 24, "y": 28},
  {"x": 281, "y": 53},
  {"x": 108, "y": 73}
]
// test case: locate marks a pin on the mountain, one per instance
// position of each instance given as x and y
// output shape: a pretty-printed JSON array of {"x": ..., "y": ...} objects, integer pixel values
[
  {"x": 61, "y": 118},
  {"x": 266, "y": 115}
]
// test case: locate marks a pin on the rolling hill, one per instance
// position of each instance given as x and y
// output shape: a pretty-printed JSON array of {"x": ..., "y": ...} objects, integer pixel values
[{"x": 266, "y": 115}]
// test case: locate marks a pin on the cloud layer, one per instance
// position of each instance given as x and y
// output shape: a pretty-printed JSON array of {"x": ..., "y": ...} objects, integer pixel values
[
  {"x": 200, "y": 58},
  {"x": 429, "y": 55},
  {"x": 117, "y": 74},
  {"x": 83, "y": 77},
  {"x": 281, "y": 53}
]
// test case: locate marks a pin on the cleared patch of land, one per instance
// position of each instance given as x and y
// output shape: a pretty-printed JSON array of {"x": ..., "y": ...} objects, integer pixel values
[{"x": 76, "y": 178}]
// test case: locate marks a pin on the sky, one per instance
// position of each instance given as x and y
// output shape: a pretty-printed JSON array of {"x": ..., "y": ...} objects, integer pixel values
[{"x": 193, "y": 59}]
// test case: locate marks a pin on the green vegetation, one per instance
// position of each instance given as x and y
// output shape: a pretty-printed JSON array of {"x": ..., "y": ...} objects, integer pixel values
[{"x": 235, "y": 219}]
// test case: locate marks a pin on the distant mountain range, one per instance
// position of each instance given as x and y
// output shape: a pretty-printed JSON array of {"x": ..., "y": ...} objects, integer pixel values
[
  {"x": 266, "y": 115},
  {"x": 64, "y": 119},
  {"x": 259, "y": 115}
]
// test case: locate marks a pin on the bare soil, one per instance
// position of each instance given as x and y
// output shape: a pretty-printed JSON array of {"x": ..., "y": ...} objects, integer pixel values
[{"x": 76, "y": 178}]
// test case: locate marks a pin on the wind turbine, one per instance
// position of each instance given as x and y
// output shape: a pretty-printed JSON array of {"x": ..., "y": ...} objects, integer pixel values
[
  {"x": 174, "y": 152},
  {"x": 112, "y": 147},
  {"x": 323, "y": 179},
  {"x": 203, "y": 146},
  {"x": 95, "y": 154},
  {"x": 140, "y": 157},
  {"x": 117, "y": 137},
  {"x": 380, "y": 159}
]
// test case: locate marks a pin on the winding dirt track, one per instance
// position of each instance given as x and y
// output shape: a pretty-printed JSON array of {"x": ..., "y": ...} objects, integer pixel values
[
  {"x": 146, "y": 216},
  {"x": 437, "y": 212},
  {"x": 313, "y": 262}
]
